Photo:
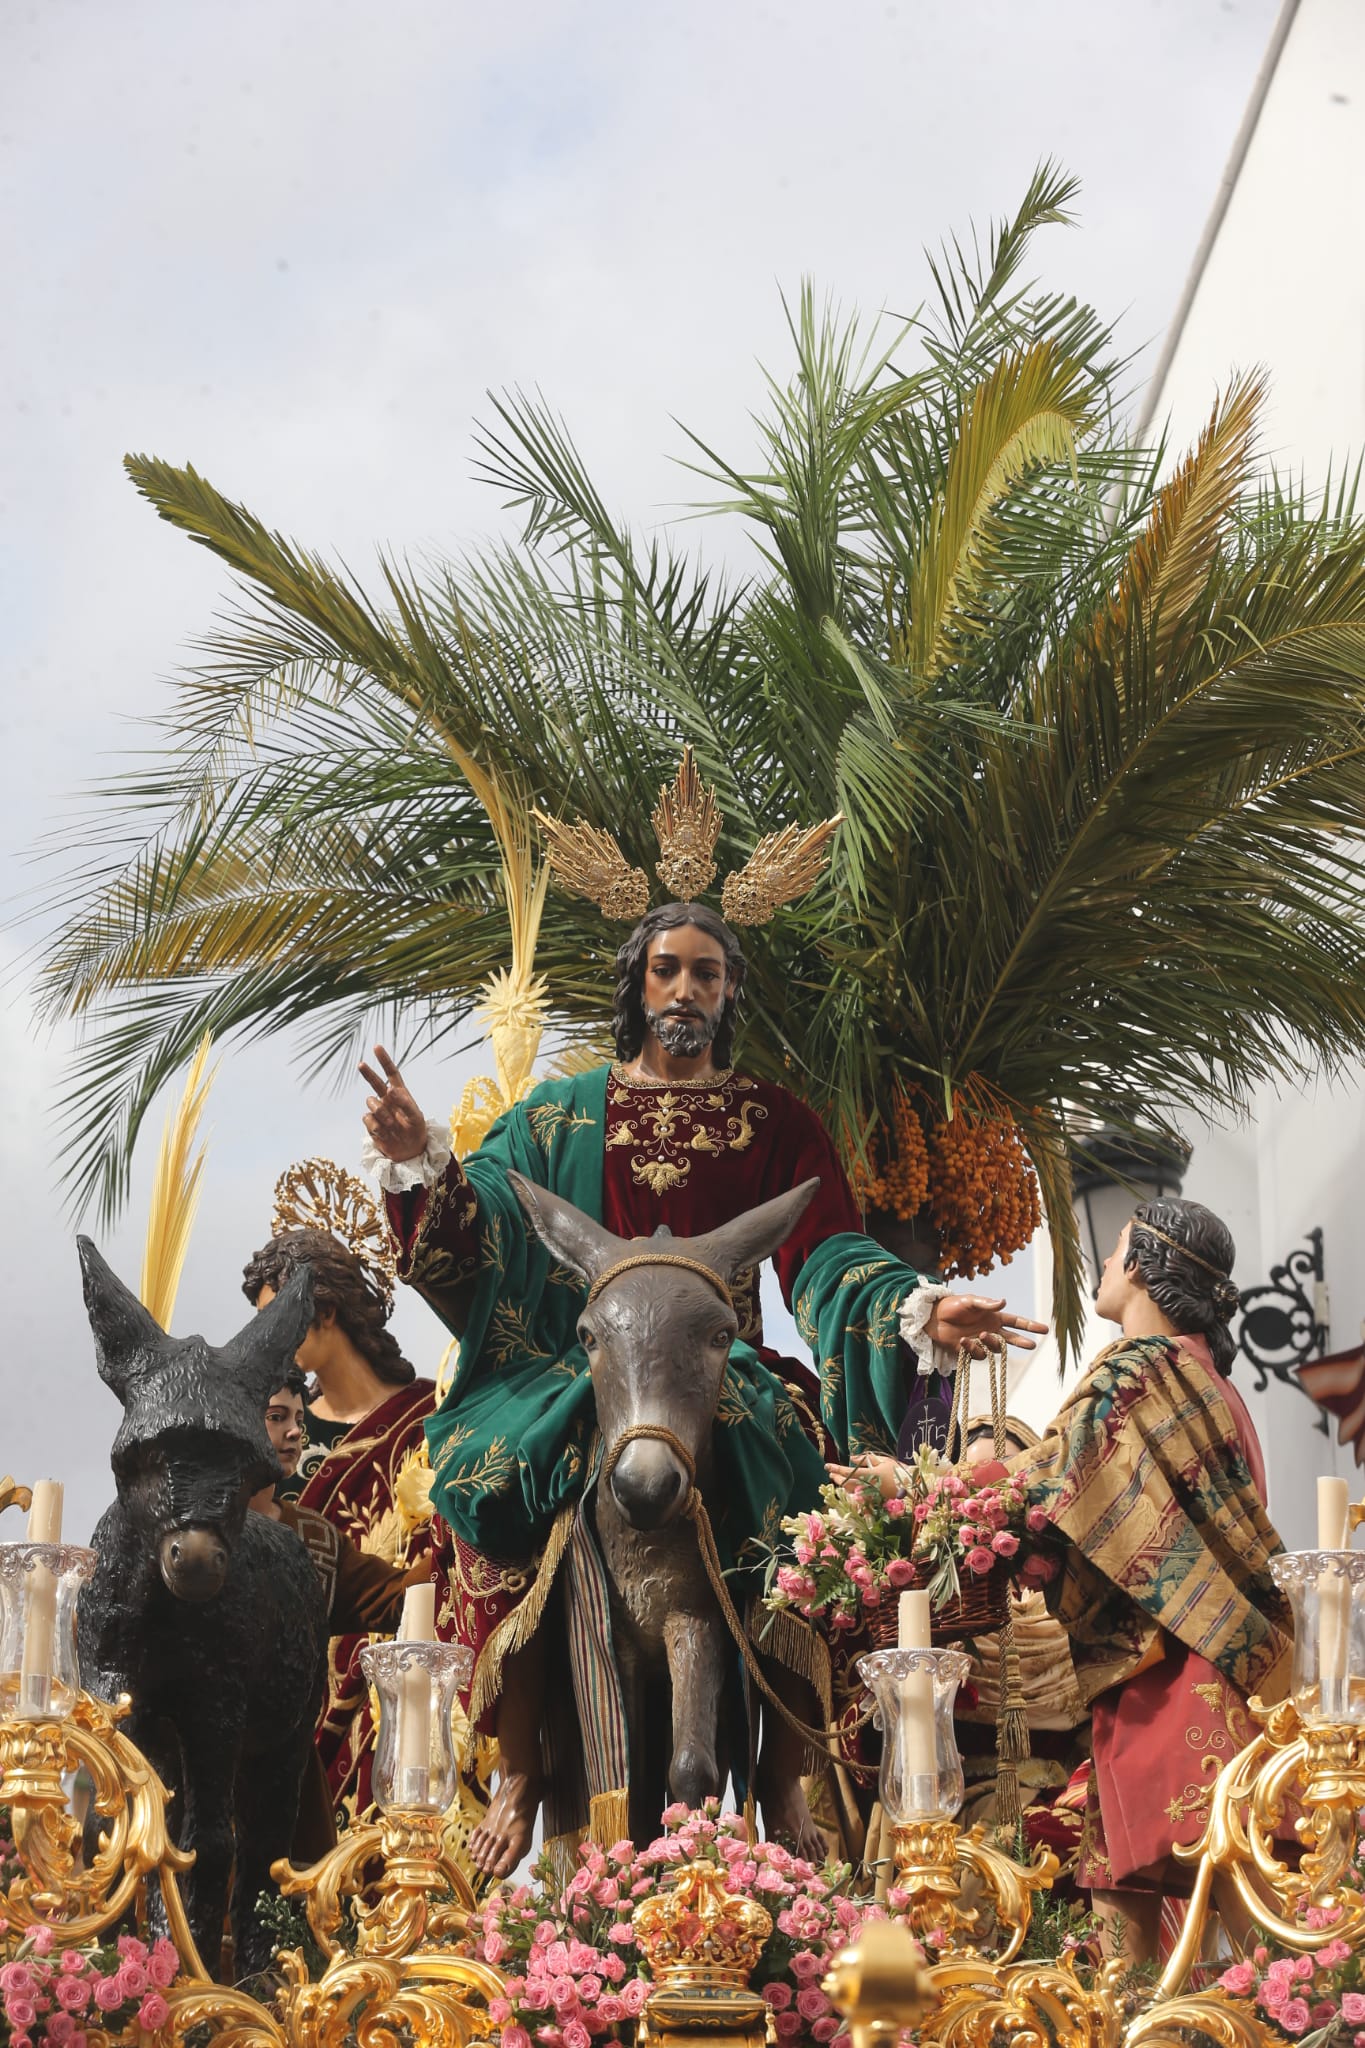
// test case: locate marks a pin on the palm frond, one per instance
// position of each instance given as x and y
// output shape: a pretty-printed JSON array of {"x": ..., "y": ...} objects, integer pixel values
[{"x": 175, "y": 1193}]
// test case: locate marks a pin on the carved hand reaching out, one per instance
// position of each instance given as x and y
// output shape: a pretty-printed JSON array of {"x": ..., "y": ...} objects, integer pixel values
[{"x": 392, "y": 1118}]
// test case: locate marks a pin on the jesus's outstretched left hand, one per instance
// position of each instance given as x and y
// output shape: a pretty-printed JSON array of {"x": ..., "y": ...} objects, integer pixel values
[{"x": 977, "y": 1319}]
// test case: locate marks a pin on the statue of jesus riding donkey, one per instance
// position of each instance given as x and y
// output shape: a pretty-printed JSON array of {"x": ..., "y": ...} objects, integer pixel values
[{"x": 598, "y": 1259}]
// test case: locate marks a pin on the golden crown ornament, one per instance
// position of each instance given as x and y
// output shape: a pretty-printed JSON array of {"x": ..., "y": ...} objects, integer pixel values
[
  {"x": 782, "y": 867},
  {"x": 317, "y": 1194}
]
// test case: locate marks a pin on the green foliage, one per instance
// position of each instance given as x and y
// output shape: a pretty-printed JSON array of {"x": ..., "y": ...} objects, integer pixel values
[{"x": 1097, "y": 740}]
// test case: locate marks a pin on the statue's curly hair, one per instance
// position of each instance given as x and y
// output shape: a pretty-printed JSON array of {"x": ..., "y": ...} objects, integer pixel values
[
  {"x": 341, "y": 1283},
  {"x": 1181, "y": 1277},
  {"x": 628, "y": 1005}
]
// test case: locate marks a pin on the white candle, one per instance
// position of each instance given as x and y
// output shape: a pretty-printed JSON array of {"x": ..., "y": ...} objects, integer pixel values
[
  {"x": 919, "y": 1751},
  {"x": 418, "y": 1625},
  {"x": 40, "y": 1622},
  {"x": 1334, "y": 1598}
]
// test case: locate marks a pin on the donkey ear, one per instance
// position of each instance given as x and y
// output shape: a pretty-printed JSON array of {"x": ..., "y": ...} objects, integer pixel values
[
  {"x": 263, "y": 1350},
  {"x": 574, "y": 1238},
  {"x": 125, "y": 1332},
  {"x": 753, "y": 1236}
]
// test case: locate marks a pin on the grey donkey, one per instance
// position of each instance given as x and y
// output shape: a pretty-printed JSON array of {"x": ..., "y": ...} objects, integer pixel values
[
  {"x": 211, "y": 1618},
  {"x": 658, "y": 1340}
]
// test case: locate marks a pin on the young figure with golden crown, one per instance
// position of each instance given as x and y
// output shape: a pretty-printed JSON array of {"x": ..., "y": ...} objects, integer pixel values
[
  {"x": 364, "y": 1419},
  {"x": 671, "y": 1136}
]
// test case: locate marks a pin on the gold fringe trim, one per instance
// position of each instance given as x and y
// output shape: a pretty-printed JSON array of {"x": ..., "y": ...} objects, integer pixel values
[
  {"x": 1012, "y": 1746},
  {"x": 750, "y": 1818},
  {"x": 609, "y": 1818},
  {"x": 516, "y": 1629}
]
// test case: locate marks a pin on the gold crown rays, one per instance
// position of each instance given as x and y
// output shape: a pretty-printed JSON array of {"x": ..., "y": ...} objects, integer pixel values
[
  {"x": 317, "y": 1194},
  {"x": 782, "y": 867}
]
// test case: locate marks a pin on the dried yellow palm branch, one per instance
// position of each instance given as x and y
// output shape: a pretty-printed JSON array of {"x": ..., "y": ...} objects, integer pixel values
[{"x": 175, "y": 1192}]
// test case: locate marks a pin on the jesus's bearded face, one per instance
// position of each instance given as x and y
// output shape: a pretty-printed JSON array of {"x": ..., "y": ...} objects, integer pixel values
[{"x": 685, "y": 988}]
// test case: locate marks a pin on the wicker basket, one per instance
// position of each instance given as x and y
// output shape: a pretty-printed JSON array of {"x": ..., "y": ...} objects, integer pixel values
[{"x": 978, "y": 1610}]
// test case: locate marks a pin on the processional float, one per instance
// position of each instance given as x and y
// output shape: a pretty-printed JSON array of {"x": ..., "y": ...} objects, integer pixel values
[{"x": 391, "y": 1913}]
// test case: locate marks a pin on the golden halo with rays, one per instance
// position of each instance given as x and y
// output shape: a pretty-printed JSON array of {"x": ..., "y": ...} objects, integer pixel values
[{"x": 317, "y": 1194}]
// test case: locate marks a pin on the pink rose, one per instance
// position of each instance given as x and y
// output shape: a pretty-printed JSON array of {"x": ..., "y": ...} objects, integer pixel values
[
  {"x": 1239, "y": 1980},
  {"x": 515, "y": 2037},
  {"x": 611, "y": 2009},
  {"x": 788, "y": 2025},
  {"x": 966, "y": 1535},
  {"x": 576, "y": 2035},
  {"x": 44, "y": 1940},
  {"x": 131, "y": 1949},
  {"x": 153, "y": 2011},
  {"x": 1038, "y": 1571},
  {"x": 811, "y": 2002},
  {"x": 73, "y": 1993},
  {"x": 133, "y": 1978},
  {"x": 1036, "y": 1520},
  {"x": 633, "y": 1996},
  {"x": 612, "y": 1968},
  {"x": 1303, "y": 1968},
  {"x": 1293, "y": 2016},
  {"x": 621, "y": 1930},
  {"x": 59, "y": 2028},
  {"x": 543, "y": 1935},
  {"x": 895, "y": 1507},
  {"x": 500, "y": 2011},
  {"x": 900, "y": 1571},
  {"x": 1335, "y": 1952},
  {"x": 21, "y": 2012},
  {"x": 562, "y": 1992},
  {"x": 826, "y": 2029},
  {"x": 108, "y": 1993},
  {"x": 980, "y": 1561},
  {"x": 1353, "y": 2007},
  {"x": 494, "y": 1948},
  {"x": 921, "y": 1511},
  {"x": 590, "y": 1987},
  {"x": 1004, "y": 1544},
  {"x": 163, "y": 1971},
  {"x": 806, "y": 1966},
  {"x": 72, "y": 1963},
  {"x": 778, "y": 1995}
]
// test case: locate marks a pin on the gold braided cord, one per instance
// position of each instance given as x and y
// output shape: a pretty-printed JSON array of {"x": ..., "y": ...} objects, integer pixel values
[
  {"x": 782, "y": 866},
  {"x": 628, "y": 1265},
  {"x": 317, "y": 1194},
  {"x": 1184, "y": 1250},
  {"x": 687, "y": 826},
  {"x": 590, "y": 863},
  {"x": 648, "y": 1432}
]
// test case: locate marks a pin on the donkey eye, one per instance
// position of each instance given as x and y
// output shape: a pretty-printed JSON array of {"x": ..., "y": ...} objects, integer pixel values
[{"x": 587, "y": 1340}]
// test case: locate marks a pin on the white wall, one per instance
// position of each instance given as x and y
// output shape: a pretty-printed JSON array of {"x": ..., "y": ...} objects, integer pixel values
[{"x": 1284, "y": 287}]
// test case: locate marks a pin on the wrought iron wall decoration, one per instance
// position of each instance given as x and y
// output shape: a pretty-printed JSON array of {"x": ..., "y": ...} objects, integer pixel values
[{"x": 1279, "y": 1327}]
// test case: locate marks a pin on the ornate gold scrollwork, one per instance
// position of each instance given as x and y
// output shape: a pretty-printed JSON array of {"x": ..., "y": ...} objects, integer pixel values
[
  {"x": 930, "y": 1858},
  {"x": 421, "y": 1894}
]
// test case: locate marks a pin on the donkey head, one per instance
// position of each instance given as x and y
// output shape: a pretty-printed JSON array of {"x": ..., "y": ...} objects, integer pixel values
[
  {"x": 192, "y": 1447},
  {"x": 658, "y": 1337}
]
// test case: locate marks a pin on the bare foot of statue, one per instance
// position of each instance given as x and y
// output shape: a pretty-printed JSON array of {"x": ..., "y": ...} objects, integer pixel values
[
  {"x": 503, "y": 1836},
  {"x": 788, "y": 1819}
]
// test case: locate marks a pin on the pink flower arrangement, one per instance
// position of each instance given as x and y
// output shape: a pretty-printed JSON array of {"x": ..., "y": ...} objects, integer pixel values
[
  {"x": 1321, "y": 1993},
  {"x": 48, "y": 1994},
  {"x": 568, "y": 1954},
  {"x": 850, "y": 1557}
]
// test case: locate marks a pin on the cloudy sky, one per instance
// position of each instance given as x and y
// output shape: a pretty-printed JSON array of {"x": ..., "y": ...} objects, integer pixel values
[{"x": 295, "y": 243}]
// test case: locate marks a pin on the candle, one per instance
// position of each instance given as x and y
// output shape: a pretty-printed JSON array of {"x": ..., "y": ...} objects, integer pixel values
[
  {"x": 418, "y": 1625},
  {"x": 1334, "y": 1599},
  {"x": 919, "y": 1749},
  {"x": 40, "y": 1621}
]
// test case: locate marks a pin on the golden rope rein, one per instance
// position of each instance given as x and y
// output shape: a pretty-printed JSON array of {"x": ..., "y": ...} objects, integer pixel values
[
  {"x": 660, "y": 1259},
  {"x": 639, "y": 1431}
]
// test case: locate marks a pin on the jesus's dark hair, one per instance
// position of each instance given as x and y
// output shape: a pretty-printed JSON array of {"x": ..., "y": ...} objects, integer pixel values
[
  {"x": 628, "y": 1007},
  {"x": 340, "y": 1283},
  {"x": 1190, "y": 1279}
]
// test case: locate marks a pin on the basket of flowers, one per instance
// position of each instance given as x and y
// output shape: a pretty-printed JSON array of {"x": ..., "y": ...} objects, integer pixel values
[{"x": 960, "y": 1535}]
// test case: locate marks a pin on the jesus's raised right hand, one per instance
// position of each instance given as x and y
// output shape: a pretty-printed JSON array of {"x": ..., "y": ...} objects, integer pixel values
[{"x": 392, "y": 1118}]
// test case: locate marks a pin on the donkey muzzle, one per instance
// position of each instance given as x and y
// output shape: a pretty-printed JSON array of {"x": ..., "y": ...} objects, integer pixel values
[
  {"x": 194, "y": 1563},
  {"x": 649, "y": 1484}
]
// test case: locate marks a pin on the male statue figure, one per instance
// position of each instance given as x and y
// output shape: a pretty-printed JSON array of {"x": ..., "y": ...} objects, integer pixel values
[{"x": 670, "y": 1135}]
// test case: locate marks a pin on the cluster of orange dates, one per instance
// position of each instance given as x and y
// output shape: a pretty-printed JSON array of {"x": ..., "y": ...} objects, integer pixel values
[{"x": 971, "y": 1172}]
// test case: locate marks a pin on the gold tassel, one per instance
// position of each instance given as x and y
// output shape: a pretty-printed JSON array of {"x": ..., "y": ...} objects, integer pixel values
[
  {"x": 1012, "y": 1746},
  {"x": 609, "y": 1818},
  {"x": 750, "y": 1818},
  {"x": 516, "y": 1629}
]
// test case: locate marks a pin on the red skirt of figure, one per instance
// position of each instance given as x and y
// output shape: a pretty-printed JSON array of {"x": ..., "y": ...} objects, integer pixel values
[{"x": 1158, "y": 1742}]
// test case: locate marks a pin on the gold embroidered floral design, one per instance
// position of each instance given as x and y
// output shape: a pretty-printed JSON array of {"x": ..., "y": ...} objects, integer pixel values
[
  {"x": 659, "y": 1175},
  {"x": 677, "y": 1120},
  {"x": 548, "y": 1119}
]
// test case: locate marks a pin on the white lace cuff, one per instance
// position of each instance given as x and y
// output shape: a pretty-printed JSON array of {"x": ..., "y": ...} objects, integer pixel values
[
  {"x": 396, "y": 1176},
  {"x": 915, "y": 1312}
]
